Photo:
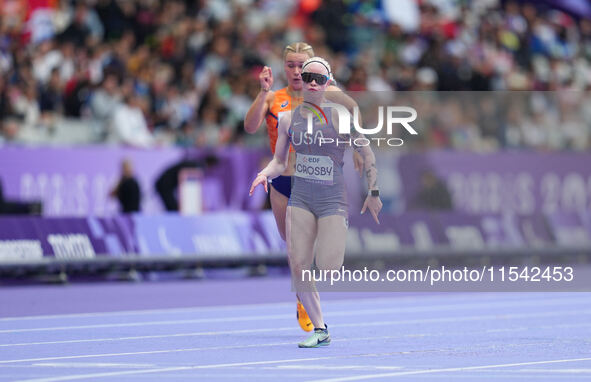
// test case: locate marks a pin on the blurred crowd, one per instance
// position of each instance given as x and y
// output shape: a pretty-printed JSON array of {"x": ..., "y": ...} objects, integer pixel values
[{"x": 151, "y": 73}]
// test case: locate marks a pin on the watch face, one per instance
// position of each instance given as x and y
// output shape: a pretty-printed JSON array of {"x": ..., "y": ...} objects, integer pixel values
[{"x": 375, "y": 192}]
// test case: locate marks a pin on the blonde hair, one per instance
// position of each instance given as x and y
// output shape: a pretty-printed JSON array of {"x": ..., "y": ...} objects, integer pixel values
[{"x": 298, "y": 47}]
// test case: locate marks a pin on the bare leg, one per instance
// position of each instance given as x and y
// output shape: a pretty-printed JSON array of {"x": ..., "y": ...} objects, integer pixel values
[
  {"x": 329, "y": 253},
  {"x": 330, "y": 244},
  {"x": 279, "y": 206},
  {"x": 301, "y": 234}
]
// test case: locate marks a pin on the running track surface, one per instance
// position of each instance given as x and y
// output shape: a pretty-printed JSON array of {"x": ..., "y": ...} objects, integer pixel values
[{"x": 245, "y": 330}]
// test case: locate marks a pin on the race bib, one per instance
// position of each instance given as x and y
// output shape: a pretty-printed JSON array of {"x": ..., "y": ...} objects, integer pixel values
[{"x": 315, "y": 167}]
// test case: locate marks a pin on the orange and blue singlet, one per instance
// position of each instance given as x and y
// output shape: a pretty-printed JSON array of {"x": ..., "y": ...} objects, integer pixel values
[{"x": 282, "y": 103}]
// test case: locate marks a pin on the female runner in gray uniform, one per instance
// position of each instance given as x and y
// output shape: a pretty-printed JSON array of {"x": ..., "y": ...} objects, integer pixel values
[{"x": 317, "y": 211}]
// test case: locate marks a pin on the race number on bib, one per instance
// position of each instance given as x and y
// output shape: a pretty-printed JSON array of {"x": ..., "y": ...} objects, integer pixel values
[{"x": 314, "y": 167}]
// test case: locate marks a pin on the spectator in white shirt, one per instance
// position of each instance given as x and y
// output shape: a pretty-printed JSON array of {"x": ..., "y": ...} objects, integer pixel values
[{"x": 129, "y": 125}]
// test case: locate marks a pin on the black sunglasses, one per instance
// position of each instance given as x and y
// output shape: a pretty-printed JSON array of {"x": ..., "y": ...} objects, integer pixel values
[{"x": 320, "y": 79}]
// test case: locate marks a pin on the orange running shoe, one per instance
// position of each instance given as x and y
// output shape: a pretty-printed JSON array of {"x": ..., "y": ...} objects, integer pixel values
[{"x": 303, "y": 318}]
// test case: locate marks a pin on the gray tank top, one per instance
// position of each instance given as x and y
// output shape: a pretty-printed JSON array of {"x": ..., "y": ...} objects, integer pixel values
[{"x": 318, "y": 157}]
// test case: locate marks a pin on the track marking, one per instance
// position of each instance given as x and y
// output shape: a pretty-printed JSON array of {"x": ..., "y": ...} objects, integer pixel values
[
  {"x": 336, "y": 367},
  {"x": 288, "y": 328},
  {"x": 461, "y": 297},
  {"x": 95, "y": 364},
  {"x": 176, "y": 368},
  {"x": 240, "y": 364},
  {"x": 276, "y": 344},
  {"x": 566, "y": 371},
  {"x": 193, "y": 309},
  {"x": 379, "y": 323},
  {"x": 446, "y": 370},
  {"x": 558, "y": 301}
]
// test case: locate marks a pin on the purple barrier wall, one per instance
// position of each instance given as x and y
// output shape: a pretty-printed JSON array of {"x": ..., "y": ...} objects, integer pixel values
[
  {"x": 524, "y": 183},
  {"x": 423, "y": 230},
  {"x": 242, "y": 233},
  {"x": 30, "y": 238},
  {"x": 218, "y": 234},
  {"x": 77, "y": 181}
]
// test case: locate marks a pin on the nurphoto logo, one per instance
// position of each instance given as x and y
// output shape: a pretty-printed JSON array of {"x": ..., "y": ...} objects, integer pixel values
[{"x": 393, "y": 115}]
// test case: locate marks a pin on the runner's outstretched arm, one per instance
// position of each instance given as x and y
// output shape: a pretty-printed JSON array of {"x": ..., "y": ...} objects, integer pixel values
[{"x": 278, "y": 164}]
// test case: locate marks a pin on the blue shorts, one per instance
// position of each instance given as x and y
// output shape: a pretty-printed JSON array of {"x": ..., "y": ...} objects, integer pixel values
[{"x": 283, "y": 185}]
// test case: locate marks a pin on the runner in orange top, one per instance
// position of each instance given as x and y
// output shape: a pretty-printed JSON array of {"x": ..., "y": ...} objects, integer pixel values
[
  {"x": 282, "y": 103},
  {"x": 271, "y": 106}
]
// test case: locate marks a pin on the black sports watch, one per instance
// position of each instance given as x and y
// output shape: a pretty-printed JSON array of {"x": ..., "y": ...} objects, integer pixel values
[{"x": 374, "y": 193}]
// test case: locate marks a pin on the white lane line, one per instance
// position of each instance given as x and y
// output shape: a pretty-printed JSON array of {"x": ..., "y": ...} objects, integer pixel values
[
  {"x": 335, "y": 367},
  {"x": 446, "y": 370},
  {"x": 241, "y": 364},
  {"x": 151, "y": 323},
  {"x": 196, "y": 309},
  {"x": 149, "y": 352},
  {"x": 350, "y": 312},
  {"x": 565, "y": 371},
  {"x": 243, "y": 331},
  {"x": 192, "y": 334},
  {"x": 208, "y": 348},
  {"x": 460, "y": 297},
  {"x": 200, "y": 309},
  {"x": 99, "y": 375},
  {"x": 87, "y": 365},
  {"x": 176, "y": 368},
  {"x": 368, "y": 324}
]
